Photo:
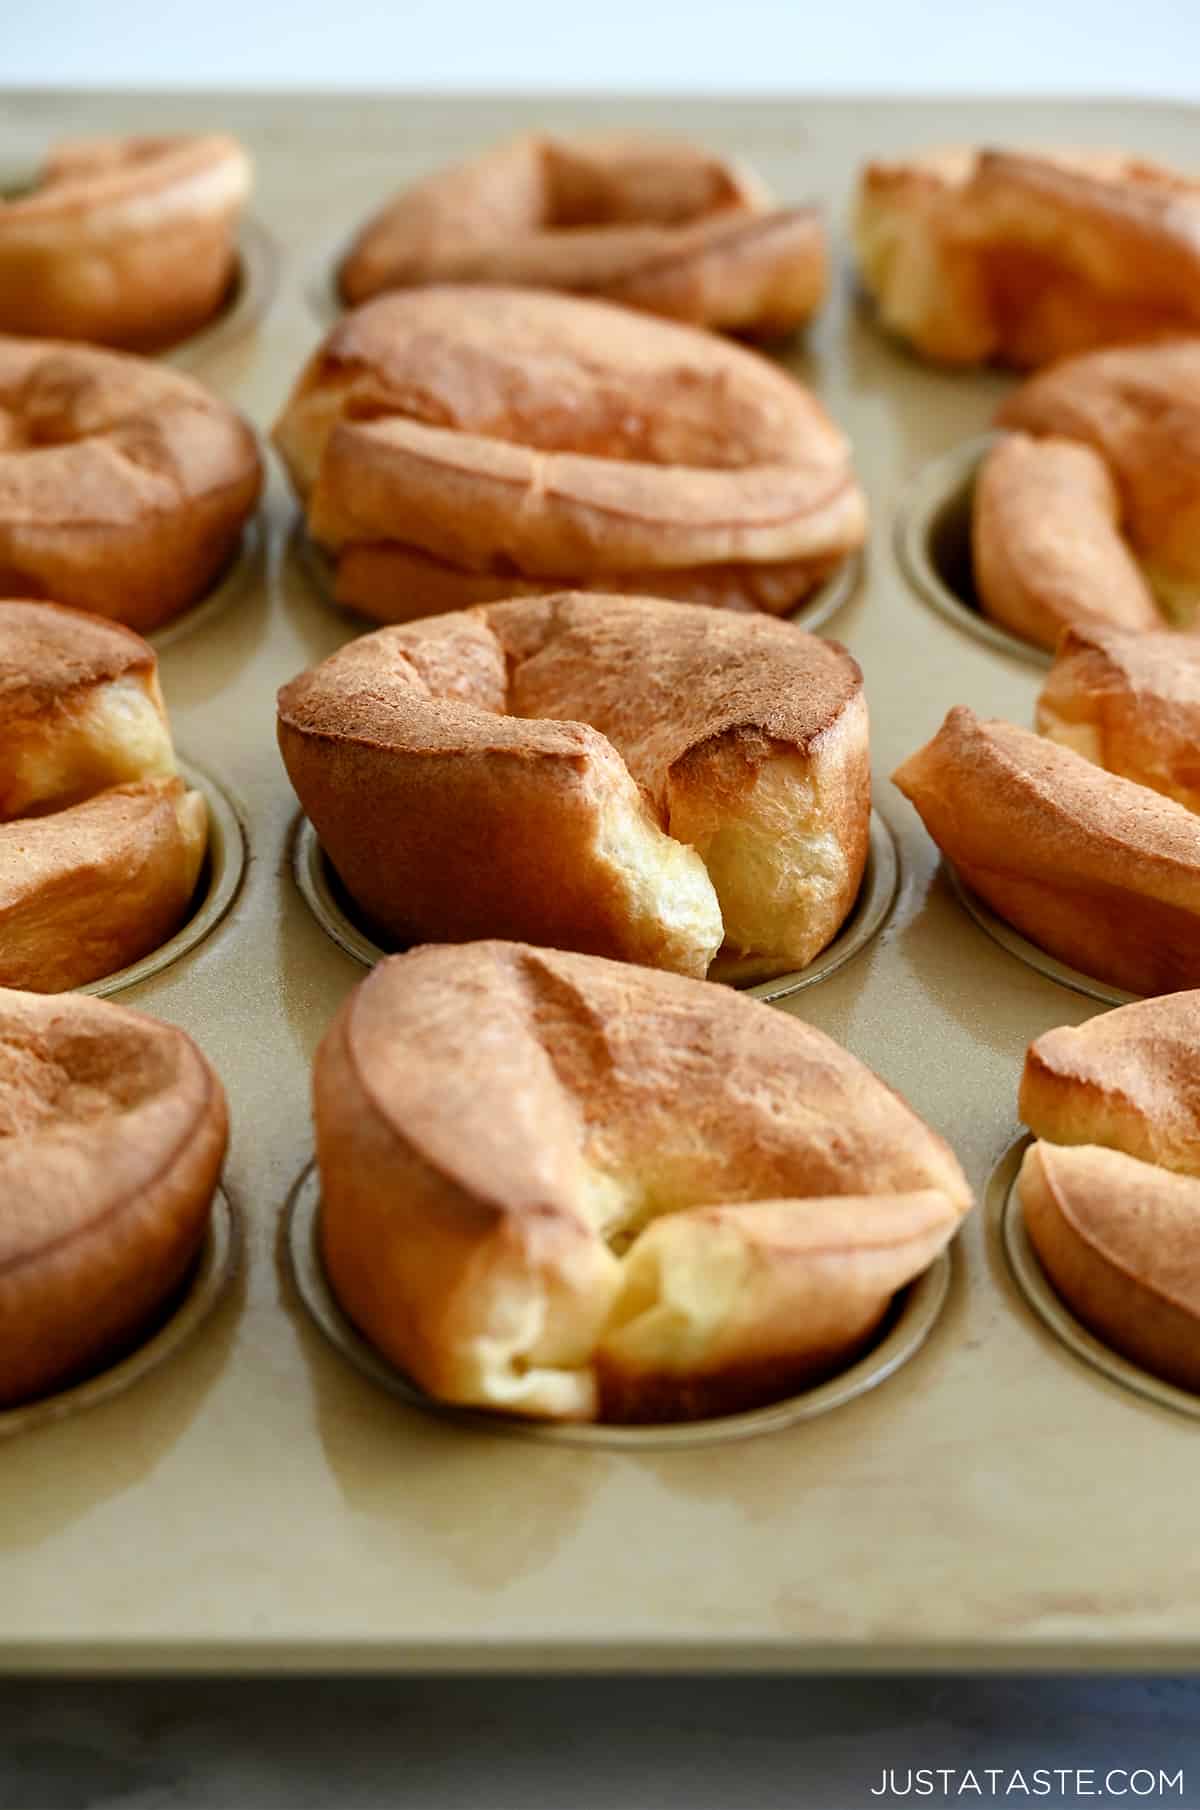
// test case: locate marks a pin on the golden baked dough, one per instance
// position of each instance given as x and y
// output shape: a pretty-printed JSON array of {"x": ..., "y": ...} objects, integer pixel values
[
  {"x": 86, "y": 891},
  {"x": 100, "y": 845},
  {"x": 1131, "y": 703},
  {"x": 112, "y": 1133},
  {"x": 124, "y": 487},
  {"x": 544, "y": 442},
  {"x": 1028, "y": 256},
  {"x": 1120, "y": 1241},
  {"x": 1128, "y": 1079},
  {"x": 1138, "y": 409},
  {"x": 1046, "y": 543},
  {"x": 650, "y": 222},
  {"x": 569, "y": 1188},
  {"x": 80, "y": 708},
  {"x": 1100, "y": 872},
  {"x": 125, "y": 241},
  {"x": 584, "y": 772}
]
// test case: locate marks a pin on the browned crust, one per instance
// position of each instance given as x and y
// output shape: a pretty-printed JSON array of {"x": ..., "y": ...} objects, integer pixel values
[
  {"x": 124, "y": 487},
  {"x": 451, "y": 1177},
  {"x": 1138, "y": 409},
  {"x": 541, "y": 438},
  {"x": 649, "y": 223},
  {"x": 1029, "y": 256},
  {"x": 1101, "y": 872},
  {"x": 389, "y": 582},
  {"x": 1120, "y": 1241},
  {"x": 126, "y": 242},
  {"x": 447, "y": 762},
  {"x": 51, "y": 655},
  {"x": 1046, "y": 541},
  {"x": 1136, "y": 698},
  {"x": 1126, "y": 1079},
  {"x": 87, "y": 890},
  {"x": 112, "y": 1133}
]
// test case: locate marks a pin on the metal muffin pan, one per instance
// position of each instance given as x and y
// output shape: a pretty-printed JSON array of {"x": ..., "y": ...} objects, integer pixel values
[
  {"x": 1026, "y": 951},
  {"x": 920, "y": 1525}
]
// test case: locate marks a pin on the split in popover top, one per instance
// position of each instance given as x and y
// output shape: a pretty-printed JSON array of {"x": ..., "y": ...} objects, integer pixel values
[
  {"x": 1087, "y": 509},
  {"x": 1111, "y": 1191}
]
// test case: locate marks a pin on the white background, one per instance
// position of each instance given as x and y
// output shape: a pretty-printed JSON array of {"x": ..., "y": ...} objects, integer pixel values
[{"x": 1134, "y": 47}]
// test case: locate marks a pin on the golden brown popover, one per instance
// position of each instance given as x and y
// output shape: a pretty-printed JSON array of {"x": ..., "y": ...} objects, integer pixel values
[
  {"x": 1097, "y": 870},
  {"x": 1131, "y": 703},
  {"x": 100, "y": 844},
  {"x": 112, "y": 1133},
  {"x": 129, "y": 242},
  {"x": 619, "y": 775},
  {"x": 654, "y": 223},
  {"x": 124, "y": 486},
  {"x": 455, "y": 445},
  {"x": 1028, "y": 256},
  {"x": 565, "y": 1187}
]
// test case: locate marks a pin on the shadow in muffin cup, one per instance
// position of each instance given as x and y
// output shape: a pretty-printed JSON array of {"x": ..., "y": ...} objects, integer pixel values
[
  {"x": 221, "y": 876},
  {"x": 1007, "y": 1220},
  {"x": 342, "y": 920},
  {"x": 933, "y": 546},
  {"x": 1030, "y": 953},
  {"x": 251, "y": 292},
  {"x": 179, "y": 1317},
  {"x": 907, "y": 1324},
  {"x": 821, "y": 604}
]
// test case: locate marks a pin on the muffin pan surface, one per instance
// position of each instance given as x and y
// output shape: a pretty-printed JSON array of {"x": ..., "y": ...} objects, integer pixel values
[{"x": 257, "y": 1502}]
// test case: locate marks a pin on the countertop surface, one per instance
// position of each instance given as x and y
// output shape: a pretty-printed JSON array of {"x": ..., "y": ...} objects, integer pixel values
[{"x": 586, "y": 1744}]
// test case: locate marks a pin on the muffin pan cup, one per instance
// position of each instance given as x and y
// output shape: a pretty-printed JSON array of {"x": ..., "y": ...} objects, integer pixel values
[
  {"x": 260, "y": 1503},
  {"x": 933, "y": 547},
  {"x": 1029, "y": 952},
  {"x": 1052, "y": 1310}
]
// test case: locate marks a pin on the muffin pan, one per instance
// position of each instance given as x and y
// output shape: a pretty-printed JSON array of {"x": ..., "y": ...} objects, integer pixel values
[
  {"x": 1025, "y": 951},
  {"x": 932, "y": 1522}
]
